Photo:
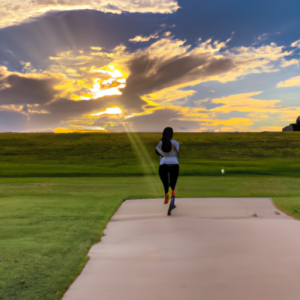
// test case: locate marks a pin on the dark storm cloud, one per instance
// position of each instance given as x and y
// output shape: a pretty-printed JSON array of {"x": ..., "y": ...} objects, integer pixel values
[
  {"x": 24, "y": 90},
  {"x": 148, "y": 75},
  {"x": 130, "y": 101},
  {"x": 65, "y": 110}
]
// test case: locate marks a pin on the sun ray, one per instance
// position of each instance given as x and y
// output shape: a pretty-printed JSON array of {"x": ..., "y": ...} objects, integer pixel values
[{"x": 143, "y": 156}]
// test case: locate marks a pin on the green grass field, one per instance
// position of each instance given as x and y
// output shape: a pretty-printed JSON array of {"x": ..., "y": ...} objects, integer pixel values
[{"x": 57, "y": 192}]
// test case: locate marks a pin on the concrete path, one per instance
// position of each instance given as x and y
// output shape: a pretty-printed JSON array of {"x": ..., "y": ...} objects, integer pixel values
[{"x": 209, "y": 249}]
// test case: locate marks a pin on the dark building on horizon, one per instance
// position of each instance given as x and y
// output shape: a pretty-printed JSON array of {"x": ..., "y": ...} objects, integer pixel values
[{"x": 293, "y": 127}]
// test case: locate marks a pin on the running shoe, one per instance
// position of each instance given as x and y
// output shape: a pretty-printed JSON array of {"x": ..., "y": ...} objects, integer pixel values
[
  {"x": 166, "y": 198},
  {"x": 172, "y": 206}
]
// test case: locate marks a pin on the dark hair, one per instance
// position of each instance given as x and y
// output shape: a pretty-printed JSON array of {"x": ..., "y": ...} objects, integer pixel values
[
  {"x": 298, "y": 121},
  {"x": 166, "y": 140}
]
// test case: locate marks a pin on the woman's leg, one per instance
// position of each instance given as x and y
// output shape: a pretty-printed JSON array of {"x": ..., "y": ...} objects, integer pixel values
[
  {"x": 174, "y": 172},
  {"x": 163, "y": 174}
]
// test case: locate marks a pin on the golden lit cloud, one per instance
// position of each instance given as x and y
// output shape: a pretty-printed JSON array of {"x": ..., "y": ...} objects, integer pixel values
[
  {"x": 154, "y": 80},
  {"x": 267, "y": 128},
  {"x": 241, "y": 61},
  {"x": 232, "y": 123},
  {"x": 245, "y": 103},
  {"x": 80, "y": 130},
  {"x": 43, "y": 111},
  {"x": 89, "y": 74},
  {"x": 17, "y": 108},
  {"x": 258, "y": 111},
  {"x": 3, "y": 73},
  {"x": 166, "y": 95},
  {"x": 18, "y": 11},
  {"x": 296, "y": 44},
  {"x": 286, "y": 63},
  {"x": 109, "y": 111},
  {"x": 144, "y": 38},
  {"x": 294, "y": 81}
]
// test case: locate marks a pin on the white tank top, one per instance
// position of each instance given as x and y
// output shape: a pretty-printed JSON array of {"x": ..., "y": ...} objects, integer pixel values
[{"x": 171, "y": 157}]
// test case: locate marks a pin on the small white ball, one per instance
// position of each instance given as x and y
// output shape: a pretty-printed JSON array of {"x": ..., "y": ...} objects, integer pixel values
[{"x": 222, "y": 171}]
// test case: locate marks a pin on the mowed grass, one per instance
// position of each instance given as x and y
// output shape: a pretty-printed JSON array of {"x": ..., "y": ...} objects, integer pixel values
[
  {"x": 121, "y": 154},
  {"x": 57, "y": 192},
  {"x": 47, "y": 227}
]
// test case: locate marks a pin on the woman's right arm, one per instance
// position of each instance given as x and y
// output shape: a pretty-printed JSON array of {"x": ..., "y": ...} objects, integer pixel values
[{"x": 175, "y": 148}]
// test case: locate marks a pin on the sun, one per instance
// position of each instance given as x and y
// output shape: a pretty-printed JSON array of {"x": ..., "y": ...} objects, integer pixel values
[
  {"x": 109, "y": 83},
  {"x": 109, "y": 111}
]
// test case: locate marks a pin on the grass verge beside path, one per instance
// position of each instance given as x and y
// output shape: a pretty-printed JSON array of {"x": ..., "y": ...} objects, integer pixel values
[{"x": 47, "y": 225}]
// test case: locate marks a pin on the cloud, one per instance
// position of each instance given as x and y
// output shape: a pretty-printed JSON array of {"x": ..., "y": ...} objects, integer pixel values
[
  {"x": 259, "y": 111},
  {"x": 18, "y": 89},
  {"x": 268, "y": 128},
  {"x": 296, "y": 44},
  {"x": 167, "y": 95},
  {"x": 66, "y": 113},
  {"x": 263, "y": 37},
  {"x": 180, "y": 119},
  {"x": 287, "y": 63},
  {"x": 140, "y": 38},
  {"x": 146, "y": 72},
  {"x": 87, "y": 129},
  {"x": 245, "y": 103},
  {"x": 294, "y": 81},
  {"x": 153, "y": 122},
  {"x": 18, "y": 11},
  {"x": 158, "y": 80},
  {"x": 158, "y": 74}
]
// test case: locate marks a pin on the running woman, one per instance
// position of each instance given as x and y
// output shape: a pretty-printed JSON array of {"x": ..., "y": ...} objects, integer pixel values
[{"x": 169, "y": 150}]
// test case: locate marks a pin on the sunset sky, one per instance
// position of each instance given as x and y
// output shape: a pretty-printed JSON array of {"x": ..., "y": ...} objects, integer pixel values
[{"x": 142, "y": 65}]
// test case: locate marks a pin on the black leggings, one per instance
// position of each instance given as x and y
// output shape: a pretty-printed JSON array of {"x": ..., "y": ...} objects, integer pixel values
[{"x": 164, "y": 170}]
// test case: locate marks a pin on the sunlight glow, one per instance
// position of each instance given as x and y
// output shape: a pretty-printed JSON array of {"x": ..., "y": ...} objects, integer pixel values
[
  {"x": 109, "y": 111},
  {"x": 107, "y": 87},
  {"x": 114, "y": 74}
]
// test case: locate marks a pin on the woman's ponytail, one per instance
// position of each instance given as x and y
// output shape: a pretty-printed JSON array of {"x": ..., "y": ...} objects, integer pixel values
[
  {"x": 166, "y": 145},
  {"x": 166, "y": 140}
]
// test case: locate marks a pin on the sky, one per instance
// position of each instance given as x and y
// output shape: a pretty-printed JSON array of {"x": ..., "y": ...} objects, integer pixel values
[{"x": 143, "y": 65}]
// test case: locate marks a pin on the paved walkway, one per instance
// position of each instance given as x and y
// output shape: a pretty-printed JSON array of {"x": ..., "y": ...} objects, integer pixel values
[{"x": 209, "y": 249}]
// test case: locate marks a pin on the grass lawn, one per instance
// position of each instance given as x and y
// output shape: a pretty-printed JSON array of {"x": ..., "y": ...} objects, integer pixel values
[{"x": 57, "y": 193}]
